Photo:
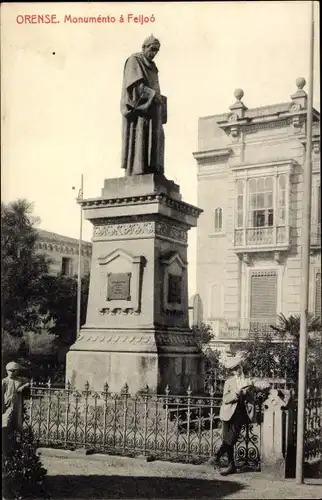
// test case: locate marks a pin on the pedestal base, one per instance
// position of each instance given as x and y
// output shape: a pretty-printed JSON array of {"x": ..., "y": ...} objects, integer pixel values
[
  {"x": 137, "y": 325},
  {"x": 137, "y": 370}
]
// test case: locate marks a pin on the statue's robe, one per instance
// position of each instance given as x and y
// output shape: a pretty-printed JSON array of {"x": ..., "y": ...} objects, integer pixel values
[
  {"x": 142, "y": 130},
  {"x": 12, "y": 402},
  {"x": 12, "y": 408}
]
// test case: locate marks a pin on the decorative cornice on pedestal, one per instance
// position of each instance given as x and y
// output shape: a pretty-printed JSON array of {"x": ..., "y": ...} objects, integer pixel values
[
  {"x": 161, "y": 339},
  {"x": 173, "y": 257},
  {"x": 139, "y": 200}
]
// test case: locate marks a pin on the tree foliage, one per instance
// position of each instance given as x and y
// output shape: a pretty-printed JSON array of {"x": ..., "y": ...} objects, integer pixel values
[
  {"x": 203, "y": 334},
  {"x": 60, "y": 298},
  {"x": 277, "y": 354},
  {"x": 38, "y": 309},
  {"x": 22, "y": 268},
  {"x": 212, "y": 357}
]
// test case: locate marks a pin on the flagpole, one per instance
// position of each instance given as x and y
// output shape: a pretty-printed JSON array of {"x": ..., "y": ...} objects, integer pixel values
[
  {"x": 305, "y": 265},
  {"x": 79, "y": 277}
]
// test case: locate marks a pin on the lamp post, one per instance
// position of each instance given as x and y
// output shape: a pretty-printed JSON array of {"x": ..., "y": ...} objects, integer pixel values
[
  {"x": 79, "y": 268},
  {"x": 305, "y": 265}
]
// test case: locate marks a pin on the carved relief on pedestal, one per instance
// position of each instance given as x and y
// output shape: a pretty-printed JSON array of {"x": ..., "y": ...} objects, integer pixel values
[
  {"x": 120, "y": 283},
  {"x": 118, "y": 231},
  {"x": 139, "y": 230},
  {"x": 174, "y": 276}
]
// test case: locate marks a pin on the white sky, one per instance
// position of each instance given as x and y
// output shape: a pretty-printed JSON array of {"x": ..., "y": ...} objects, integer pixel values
[{"x": 60, "y": 113}]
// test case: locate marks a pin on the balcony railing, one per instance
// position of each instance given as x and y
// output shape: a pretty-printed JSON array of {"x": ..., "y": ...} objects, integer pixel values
[
  {"x": 316, "y": 235},
  {"x": 244, "y": 329},
  {"x": 271, "y": 236}
]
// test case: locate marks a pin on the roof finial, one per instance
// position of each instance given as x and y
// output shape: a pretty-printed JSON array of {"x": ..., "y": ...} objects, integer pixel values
[
  {"x": 239, "y": 94},
  {"x": 300, "y": 83}
]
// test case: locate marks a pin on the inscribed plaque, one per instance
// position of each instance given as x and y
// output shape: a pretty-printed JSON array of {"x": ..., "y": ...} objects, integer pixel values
[
  {"x": 174, "y": 289},
  {"x": 118, "y": 286}
]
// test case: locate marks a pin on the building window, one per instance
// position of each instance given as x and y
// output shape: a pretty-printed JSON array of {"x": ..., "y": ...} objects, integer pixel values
[
  {"x": 262, "y": 211},
  {"x": 240, "y": 203},
  {"x": 218, "y": 220},
  {"x": 319, "y": 206},
  {"x": 263, "y": 298},
  {"x": 86, "y": 266},
  {"x": 281, "y": 198},
  {"x": 67, "y": 266},
  {"x": 260, "y": 202},
  {"x": 318, "y": 295}
]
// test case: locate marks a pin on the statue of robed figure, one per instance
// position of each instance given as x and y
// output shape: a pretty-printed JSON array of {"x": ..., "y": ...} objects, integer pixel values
[
  {"x": 13, "y": 389},
  {"x": 144, "y": 112}
]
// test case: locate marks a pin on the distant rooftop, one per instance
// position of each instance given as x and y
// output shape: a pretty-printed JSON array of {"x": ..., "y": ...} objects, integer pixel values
[
  {"x": 272, "y": 109},
  {"x": 59, "y": 238},
  {"x": 300, "y": 96}
]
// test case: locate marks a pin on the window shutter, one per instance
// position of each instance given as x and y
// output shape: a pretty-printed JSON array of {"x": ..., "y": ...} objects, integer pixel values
[
  {"x": 263, "y": 297},
  {"x": 318, "y": 295}
]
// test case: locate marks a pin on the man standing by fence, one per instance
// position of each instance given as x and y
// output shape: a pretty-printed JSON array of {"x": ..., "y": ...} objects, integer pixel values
[{"x": 237, "y": 409}]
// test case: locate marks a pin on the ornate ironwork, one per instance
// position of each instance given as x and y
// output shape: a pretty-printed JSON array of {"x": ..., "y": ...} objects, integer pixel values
[
  {"x": 166, "y": 426},
  {"x": 313, "y": 427}
]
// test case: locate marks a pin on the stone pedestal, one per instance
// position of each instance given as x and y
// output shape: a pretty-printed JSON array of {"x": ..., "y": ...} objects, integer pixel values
[
  {"x": 137, "y": 326},
  {"x": 277, "y": 451}
]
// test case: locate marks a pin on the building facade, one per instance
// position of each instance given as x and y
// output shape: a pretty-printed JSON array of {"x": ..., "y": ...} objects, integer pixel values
[
  {"x": 64, "y": 253},
  {"x": 250, "y": 185}
]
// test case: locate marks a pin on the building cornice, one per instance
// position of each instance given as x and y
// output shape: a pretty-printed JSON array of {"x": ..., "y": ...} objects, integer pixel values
[
  {"x": 277, "y": 163},
  {"x": 63, "y": 247},
  {"x": 212, "y": 155},
  {"x": 295, "y": 114}
]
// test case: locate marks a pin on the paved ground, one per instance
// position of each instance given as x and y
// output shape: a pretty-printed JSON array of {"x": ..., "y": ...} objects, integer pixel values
[{"x": 72, "y": 476}]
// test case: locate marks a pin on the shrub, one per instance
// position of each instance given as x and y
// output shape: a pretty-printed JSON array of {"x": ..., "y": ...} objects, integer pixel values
[{"x": 22, "y": 472}]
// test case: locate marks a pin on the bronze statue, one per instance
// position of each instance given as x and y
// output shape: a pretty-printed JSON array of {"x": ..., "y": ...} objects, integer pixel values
[{"x": 144, "y": 112}]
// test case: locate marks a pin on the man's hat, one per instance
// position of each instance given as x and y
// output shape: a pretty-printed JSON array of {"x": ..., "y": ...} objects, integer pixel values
[
  {"x": 13, "y": 366},
  {"x": 234, "y": 361}
]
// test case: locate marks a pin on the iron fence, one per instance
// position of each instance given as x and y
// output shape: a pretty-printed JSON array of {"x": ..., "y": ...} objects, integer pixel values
[
  {"x": 313, "y": 427},
  {"x": 181, "y": 428},
  {"x": 213, "y": 378}
]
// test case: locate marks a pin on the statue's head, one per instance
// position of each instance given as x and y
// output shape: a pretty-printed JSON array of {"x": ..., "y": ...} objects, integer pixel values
[
  {"x": 13, "y": 369},
  {"x": 150, "y": 47}
]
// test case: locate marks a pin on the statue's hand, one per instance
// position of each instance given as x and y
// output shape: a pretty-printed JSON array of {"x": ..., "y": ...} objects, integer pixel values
[{"x": 22, "y": 387}]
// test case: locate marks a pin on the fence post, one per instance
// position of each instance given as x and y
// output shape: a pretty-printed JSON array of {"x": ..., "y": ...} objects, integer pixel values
[{"x": 276, "y": 434}]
